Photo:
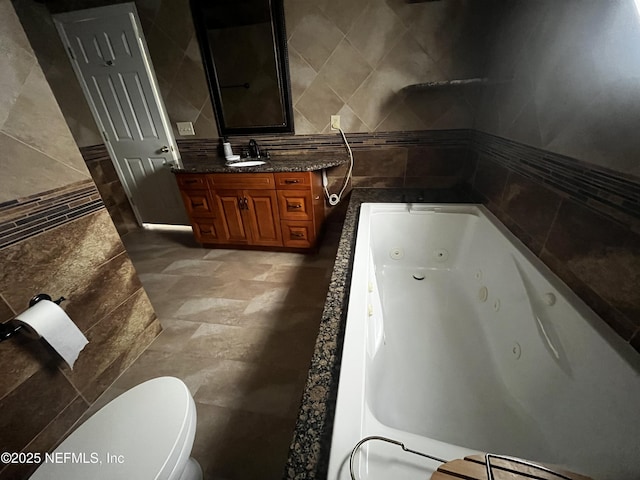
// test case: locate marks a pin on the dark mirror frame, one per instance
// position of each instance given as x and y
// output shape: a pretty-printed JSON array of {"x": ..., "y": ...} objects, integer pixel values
[{"x": 282, "y": 58}]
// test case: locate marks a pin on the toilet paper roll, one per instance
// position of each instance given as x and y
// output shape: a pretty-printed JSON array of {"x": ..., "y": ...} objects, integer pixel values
[{"x": 47, "y": 320}]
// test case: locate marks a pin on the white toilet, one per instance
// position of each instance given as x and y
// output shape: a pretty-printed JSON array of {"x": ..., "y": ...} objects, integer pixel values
[{"x": 146, "y": 433}]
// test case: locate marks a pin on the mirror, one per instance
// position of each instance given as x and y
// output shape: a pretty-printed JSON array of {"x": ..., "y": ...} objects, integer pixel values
[{"x": 244, "y": 51}]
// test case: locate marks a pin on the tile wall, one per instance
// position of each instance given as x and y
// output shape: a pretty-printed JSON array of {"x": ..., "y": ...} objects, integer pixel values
[
  {"x": 560, "y": 166},
  {"x": 56, "y": 237},
  {"x": 352, "y": 58},
  {"x": 582, "y": 221},
  {"x": 570, "y": 74},
  {"x": 115, "y": 199}
]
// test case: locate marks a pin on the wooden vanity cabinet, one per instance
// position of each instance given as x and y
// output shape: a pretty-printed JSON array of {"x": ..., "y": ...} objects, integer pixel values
[{"x": 283, "y": 210}]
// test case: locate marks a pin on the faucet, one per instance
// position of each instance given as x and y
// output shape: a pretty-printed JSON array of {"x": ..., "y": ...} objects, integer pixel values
[{"x": 254, "y": 149}]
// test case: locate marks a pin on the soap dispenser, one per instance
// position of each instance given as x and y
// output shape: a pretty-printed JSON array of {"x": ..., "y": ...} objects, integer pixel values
[{"x": 226, "y": 146}]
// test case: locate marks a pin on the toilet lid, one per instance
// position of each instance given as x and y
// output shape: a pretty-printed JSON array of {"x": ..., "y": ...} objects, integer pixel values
[{"x": 139, "y": 435}]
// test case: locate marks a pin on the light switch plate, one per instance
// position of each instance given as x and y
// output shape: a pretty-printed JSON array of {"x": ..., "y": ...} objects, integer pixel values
[{"x": 185, "y": 128}]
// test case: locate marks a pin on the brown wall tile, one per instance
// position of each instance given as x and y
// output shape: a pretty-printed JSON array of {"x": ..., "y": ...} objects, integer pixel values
[
  {"x": 490, "y": 180},
  {"x": 531, "y": 206},
  {"x": 48, "y": 439},
  {"x": 122, "y": 362},
  {"x": 381, "y": 162},
  {"x": 5, "y": 312},
  {"x": 102, "y": 290},
  {"x": 28, "y": 409},
  {"x": 601, "y": 253},
  {"x": 436, "y": 161},
  {"x": 377, "y": 182},
  {"x": 109, "y": 339},
  {"x": 619, "y": 322},
  {"x": 58, "y": 260}
]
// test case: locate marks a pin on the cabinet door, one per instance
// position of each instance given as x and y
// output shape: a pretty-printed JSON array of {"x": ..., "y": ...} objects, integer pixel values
[
  {"x": 261, "y": 217},
  {"x": 197, "y": 203},
  {"x": 206, "y": 230},
  {"x": 295, "y": 204},
  {"x": 298, "y": 234},
  {"x": 229, "y": 204}
]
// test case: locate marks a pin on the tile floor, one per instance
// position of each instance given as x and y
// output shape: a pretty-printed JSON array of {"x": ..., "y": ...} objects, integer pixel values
[{"x": 239, "y": 330}]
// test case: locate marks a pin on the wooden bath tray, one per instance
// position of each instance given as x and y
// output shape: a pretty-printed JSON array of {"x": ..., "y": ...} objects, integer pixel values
[{"x": 474, "y": 467}]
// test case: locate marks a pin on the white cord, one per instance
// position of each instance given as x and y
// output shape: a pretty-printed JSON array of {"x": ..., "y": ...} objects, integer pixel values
[{"x": 334, "y": 198}]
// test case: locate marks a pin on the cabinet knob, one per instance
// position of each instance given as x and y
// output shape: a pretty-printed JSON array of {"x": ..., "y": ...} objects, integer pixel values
[{"x": 243, "y": 203}]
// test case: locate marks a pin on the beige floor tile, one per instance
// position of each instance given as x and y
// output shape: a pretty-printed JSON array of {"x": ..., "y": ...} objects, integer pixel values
[
  {"x": 239, "y": 330},
  {"x": 252, "y": 387},
  {"x": 244, "y": 446},
  {"x": 175, "y": 335},
  {"x": 194, "y": 371},
  {"x": 211, "y": 310},
  {"x": 192, "y": 267}
]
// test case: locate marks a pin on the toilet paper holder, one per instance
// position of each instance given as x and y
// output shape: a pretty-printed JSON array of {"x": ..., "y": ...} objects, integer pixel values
[{"x": 8, "y": 329}]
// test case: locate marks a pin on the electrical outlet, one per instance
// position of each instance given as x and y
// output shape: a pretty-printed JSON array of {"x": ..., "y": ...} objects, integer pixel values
[
  {"x": 335, "y": 122},
  {"x": 185, "y": 128}
]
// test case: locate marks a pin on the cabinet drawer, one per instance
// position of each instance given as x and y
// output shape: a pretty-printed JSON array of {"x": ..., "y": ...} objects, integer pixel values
[
  {"x": 243, "y": 180},
  {"x": 295, "y": 204},
  {"x": 298, "y": 234},
  {"x": 198, "y": 203},
  {"x": 206, "y": 230},
  {"x": 292, "y": 180},
  {"x": 191, "y": 181}
]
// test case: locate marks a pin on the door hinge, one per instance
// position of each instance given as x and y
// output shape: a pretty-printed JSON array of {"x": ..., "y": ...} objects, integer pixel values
[{"x": 73, "y": 57}]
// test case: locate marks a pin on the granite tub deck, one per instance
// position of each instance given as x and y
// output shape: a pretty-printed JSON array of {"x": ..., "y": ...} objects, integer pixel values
[
  {"x": 309, "y": 451},
  {"x": 281, "y": 163}
]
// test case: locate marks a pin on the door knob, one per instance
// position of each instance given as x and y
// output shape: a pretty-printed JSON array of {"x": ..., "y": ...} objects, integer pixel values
[{"x": 165, "y": 149}]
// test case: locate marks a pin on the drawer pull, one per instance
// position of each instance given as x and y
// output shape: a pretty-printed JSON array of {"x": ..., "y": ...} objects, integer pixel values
[
  {"x": 193, "y": 180},
  {"x": 297, "y": 235},
  {"x": 293, "y": 206},
  {"x": 289, "y": 181},
  {"x": 197, "y": 204},
  {"x": 206, "y": 232}
]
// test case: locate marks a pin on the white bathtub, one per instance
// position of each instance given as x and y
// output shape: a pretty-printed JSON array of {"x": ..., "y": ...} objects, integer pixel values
[{"x": 490, "y": 352}]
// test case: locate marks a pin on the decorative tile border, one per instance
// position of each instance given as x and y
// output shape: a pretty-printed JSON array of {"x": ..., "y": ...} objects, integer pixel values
[
  {"x": 600, "y": 189},
  {"x": 29, "y": 216},
  {"x": 333, "y": 141},
  {"x": 95, "y": 153}
]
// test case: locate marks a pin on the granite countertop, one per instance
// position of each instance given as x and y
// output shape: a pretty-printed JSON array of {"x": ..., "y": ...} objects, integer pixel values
[
  {"x": 307, "y": 162},
  {"x": 309, "y": 450}
]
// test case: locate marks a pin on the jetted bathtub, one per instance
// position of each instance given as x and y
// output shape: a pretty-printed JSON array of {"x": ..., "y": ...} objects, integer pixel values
[{"x": 459, "y": 340}]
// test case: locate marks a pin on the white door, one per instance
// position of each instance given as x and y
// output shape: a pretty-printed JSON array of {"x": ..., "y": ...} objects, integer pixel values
[{"x": 109, "y": 54}]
